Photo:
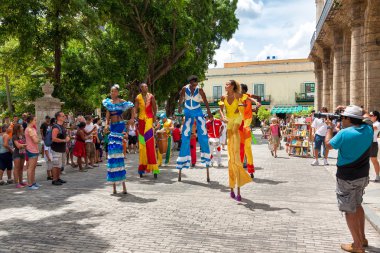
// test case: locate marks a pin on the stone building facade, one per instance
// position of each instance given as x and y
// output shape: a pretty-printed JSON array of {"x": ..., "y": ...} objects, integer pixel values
[{"x": 345, "y": 50}]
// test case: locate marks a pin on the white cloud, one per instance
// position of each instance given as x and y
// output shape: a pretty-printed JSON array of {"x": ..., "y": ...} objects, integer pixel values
[
  {"x": 231, "y": 51},
  {"x": 250, "y": 8},
  {"x": 270, "y": 28},
  {"x": 303, "y": 34}
]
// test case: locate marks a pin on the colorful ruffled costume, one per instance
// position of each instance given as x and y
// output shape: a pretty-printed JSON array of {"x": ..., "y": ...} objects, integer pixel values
[
  {"x": 237, "y": 175},
  {"x": 115, "y": 166},
  {"x": 147, "y": 150}
]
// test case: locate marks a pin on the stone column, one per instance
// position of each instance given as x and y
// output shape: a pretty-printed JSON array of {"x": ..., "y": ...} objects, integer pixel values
[
  {"x": 371, "y": 54},
  {"x": 346, "y": 64},
  {"x": 327, "y": 82},
  {"x": 337, "y": 91},
  {"x": 318, "y": 84},
  {"x": 357, "y": 66},
  {"x": 47, "y": 105}
]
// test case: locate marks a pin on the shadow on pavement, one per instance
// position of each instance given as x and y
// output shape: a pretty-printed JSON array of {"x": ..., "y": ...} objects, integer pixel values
[
  {"x": 47, "y": 231},
  {"x": 267, "y": 181},
  {"x": 371, "y": 249},
  {"x": 166, "y": 176},
  {"x": 261, "y": 206},
  {"x": 130, "y": 198},
  {"x": 211, "y": 185}
]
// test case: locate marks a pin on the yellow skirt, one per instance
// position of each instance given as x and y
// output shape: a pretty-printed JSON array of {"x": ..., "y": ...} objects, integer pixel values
[{"x": 237, "y": 175}]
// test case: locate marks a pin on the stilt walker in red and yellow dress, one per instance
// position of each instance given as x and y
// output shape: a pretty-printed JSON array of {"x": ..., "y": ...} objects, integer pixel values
[
  {"x": 245, "y": 130},
  {"x": 146, "y": 106}
]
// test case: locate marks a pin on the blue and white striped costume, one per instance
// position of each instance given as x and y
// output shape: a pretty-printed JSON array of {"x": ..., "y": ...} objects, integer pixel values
[
  {"x": 193, "y": 112},
  {"x": 115, "y": 165}
]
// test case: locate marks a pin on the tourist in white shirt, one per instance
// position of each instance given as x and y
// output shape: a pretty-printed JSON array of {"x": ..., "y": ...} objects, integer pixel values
[
  {"x": 375, "y": 118},
  {"x": 319, "y": 133},
  {"x": 90, "y": 145}
]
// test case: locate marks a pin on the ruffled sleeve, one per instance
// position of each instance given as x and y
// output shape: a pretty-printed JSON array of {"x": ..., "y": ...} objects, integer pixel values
[
  {"x": 123, "y": 106},
  {"x": 107, "y": 103},
  {"x": 126, "y": 105}
]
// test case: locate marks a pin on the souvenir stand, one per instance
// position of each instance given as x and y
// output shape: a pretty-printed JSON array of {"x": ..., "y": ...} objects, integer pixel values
[{"x": 298, "y": 138}]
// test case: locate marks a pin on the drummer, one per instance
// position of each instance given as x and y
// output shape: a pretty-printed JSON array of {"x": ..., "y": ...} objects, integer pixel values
[
  {"x": 166, "y": 126},
  {"x": 214, "y": 130}
]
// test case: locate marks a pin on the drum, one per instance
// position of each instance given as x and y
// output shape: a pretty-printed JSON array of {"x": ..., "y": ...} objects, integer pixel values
[
  {"x": 162, "y": 141},
  {"x": 214, "y": 142}
]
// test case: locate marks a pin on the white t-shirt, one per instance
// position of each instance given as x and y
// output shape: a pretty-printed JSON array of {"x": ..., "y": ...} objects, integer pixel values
[
  {"x": 320, "y": 126},
  {"x": 376, "y": 132},
  {"x": 88, "y": 129}
]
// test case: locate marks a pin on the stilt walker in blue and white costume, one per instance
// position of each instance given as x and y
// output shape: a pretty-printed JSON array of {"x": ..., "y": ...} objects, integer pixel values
[{"x": 192, "y": 95}]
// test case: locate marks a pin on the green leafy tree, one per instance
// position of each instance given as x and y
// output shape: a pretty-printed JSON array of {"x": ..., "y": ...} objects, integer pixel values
[{"x": 263, "y": 114}]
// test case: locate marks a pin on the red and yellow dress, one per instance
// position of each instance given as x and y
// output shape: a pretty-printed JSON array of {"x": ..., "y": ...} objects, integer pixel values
[
  {"x": 237, "y": 175},
  {"x": 147, "y": 151},
  {"x": 245, "y": 134}
]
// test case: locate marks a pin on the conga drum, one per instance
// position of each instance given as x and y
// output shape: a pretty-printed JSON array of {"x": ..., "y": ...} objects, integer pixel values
[{"x": 162, "y": 141}]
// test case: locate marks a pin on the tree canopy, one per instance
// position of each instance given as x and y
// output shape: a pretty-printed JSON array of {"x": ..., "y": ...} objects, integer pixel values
[{"x": 84, "y": 46}]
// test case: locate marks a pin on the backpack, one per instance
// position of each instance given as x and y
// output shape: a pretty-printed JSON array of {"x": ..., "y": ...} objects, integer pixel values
[{"x": 49, "y": 136}]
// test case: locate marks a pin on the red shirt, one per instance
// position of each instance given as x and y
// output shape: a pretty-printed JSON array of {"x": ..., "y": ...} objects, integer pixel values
[
  {"x": 176, "y": 134},
  {"x": 213, "y": 128}
]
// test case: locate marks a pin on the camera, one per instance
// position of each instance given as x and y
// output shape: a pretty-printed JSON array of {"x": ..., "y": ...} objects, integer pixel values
[{"x": 321, "y": 115}]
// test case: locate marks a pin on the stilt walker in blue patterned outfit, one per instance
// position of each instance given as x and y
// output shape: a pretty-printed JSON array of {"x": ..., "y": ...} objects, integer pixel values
[
  {"x": 192, "y": 96},
  {"x": 115, "y": 106}
]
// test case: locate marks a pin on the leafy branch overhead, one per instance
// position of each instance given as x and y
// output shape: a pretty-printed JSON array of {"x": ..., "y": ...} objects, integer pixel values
[{"x": 86, "y": 45}]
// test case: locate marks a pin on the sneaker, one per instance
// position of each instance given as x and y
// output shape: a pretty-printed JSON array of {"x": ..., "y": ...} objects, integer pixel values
[
  {"x": 33, "y": 187},
  {"x": 49, "y": 178},
  {"x": 10, "y": 181},
  {"x": 20, "y": 186},
  {"x": 377, "y": 179},
  {"x": 89, "y": 167},
  {"x": 315, "y": 163},
  {"x": 38, "y": 185},
  {"x": 24, "y": 184},
  {"x": 2, "y": 182},
  {"x": 56, "y": 182},
  {"x": 62, "y": 181},
  {"x": 325, "y": 162}
]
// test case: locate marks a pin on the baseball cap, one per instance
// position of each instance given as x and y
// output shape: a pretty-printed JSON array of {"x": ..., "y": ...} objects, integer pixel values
[{"x": 353, "y": 111}]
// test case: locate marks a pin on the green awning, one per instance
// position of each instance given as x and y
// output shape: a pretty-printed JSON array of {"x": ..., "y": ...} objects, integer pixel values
[{"x": 289, "y": 109}]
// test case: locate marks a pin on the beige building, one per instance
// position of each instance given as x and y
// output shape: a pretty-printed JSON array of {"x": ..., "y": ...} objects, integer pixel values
[
  {"x": 282, "y": 83},
  {"x": 345, "y": 50}
]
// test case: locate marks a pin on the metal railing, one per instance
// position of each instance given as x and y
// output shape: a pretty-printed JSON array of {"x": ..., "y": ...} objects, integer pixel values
[
  {"x": 304, "y": 97},
  {"x": 325, "y": 12}
]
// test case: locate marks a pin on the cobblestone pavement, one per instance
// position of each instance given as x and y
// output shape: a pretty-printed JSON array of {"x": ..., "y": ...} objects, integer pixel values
[{"x": 290, "y": 207}]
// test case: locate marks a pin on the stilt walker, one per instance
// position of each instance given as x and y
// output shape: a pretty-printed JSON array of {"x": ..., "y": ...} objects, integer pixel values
[
  {"x": 214, "y": 130},
  {"x": 245, "y": 130},
  {"x": 115, "y": 106},
  {"x": 234, "y": 108},
  {"x": 146, "y": 107},
  {"x": 192, "y": 96}
]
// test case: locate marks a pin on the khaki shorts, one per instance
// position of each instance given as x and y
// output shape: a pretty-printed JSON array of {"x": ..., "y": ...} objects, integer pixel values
[
  {"x": 350, "y": 193},
  {"x": 58, "y": 159},
  {"x": 90, "y": 150},
  {"x": 276, "y": 140}
]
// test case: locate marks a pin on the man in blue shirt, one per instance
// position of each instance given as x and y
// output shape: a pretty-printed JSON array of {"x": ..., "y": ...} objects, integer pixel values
[{"x": 353, "y": 143}]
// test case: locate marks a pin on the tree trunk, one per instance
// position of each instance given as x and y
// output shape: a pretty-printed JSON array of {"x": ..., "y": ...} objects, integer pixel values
[
  {"x": 9, "y": 100},
  {"x": 172, "y": 102},
  {"x": 57, "y": 51}
]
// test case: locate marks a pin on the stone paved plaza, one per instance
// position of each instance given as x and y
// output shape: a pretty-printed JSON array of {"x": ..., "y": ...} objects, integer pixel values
[{"x": 291, "y": 207}]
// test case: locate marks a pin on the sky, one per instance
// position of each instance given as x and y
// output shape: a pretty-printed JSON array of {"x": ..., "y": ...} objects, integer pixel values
[{"x": 281, "y": 28}]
